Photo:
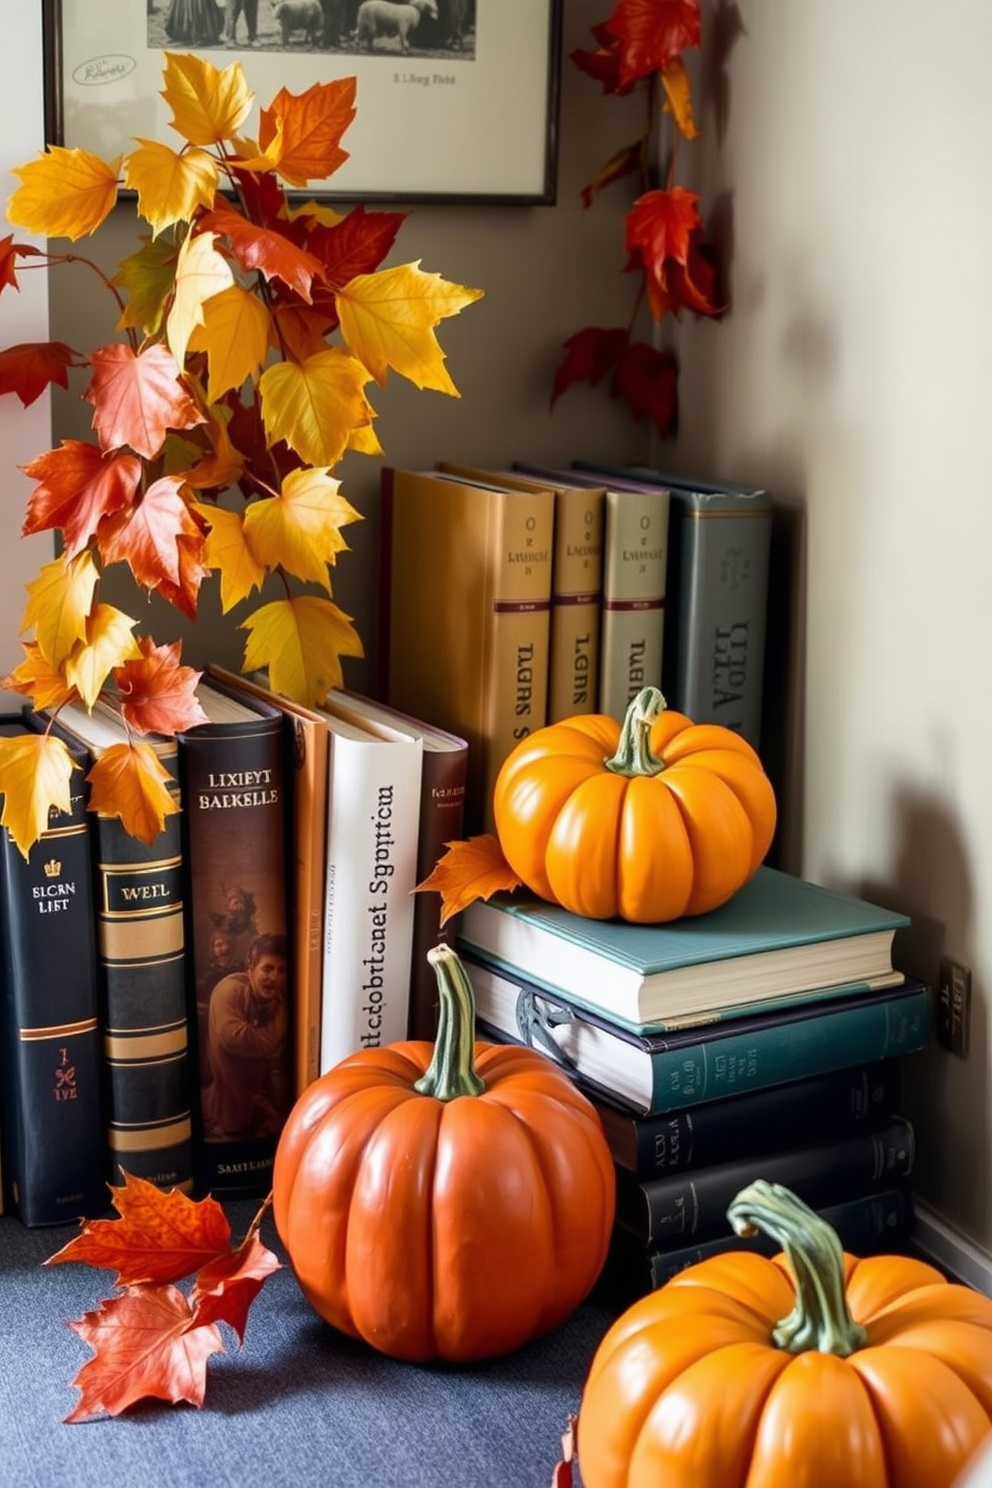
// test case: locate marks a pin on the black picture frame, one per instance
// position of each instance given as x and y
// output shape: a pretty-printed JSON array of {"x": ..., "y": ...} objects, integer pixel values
[{"x": 469, "y": 118}]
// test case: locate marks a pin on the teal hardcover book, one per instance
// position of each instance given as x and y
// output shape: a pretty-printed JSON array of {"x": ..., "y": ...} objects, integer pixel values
[
  {"x": 681, "y": 1069},
  {"x": 716, "y": 597},
  {"x": 779, "y": 936}
]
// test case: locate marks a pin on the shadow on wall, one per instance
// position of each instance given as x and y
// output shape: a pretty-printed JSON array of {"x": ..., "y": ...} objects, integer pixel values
[{"x": 942, "y": 1093}]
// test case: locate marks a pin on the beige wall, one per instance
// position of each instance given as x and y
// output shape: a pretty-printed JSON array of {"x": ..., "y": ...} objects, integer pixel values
[
  {"x": 23, "y": 317},
  {"x": 854, "y": 376}
]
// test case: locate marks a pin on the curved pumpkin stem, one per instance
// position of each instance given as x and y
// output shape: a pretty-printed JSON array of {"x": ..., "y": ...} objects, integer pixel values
[
  {"x": 452, "y": 1069},
  {"x": 633, "y": 756},
  {"x": 821, "y": 1318}
]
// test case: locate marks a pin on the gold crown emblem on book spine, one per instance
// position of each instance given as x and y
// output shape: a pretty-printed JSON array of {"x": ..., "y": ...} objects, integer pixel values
[{"x": 53, "y": 868}]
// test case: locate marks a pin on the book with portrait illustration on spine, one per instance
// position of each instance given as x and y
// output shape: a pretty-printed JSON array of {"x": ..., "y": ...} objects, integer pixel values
[{"x": 235, "y": 780}]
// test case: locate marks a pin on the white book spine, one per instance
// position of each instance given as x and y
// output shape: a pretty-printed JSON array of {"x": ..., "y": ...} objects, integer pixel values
[{"x": 372, "y": 834}]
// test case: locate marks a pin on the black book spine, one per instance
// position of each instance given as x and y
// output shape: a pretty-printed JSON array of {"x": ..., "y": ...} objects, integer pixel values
[
  {"x": 146, "y": 1032},
  {"x": 810, "y": 1111},
  {"x": 668, "y": 1211},
  {"x": 53, "y": 1132},
  {"x": 234, "y": 780}
]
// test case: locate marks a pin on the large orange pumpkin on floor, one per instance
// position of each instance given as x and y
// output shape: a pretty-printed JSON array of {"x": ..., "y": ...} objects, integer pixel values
[
  {"x": 649, "y": 820},
  {"x": 811, "y": 1368},
  {"x": 444, "y": 1201}
]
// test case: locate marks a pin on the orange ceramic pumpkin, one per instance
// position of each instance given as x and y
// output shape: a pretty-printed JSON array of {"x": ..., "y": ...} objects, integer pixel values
[
  {"x": 648, "y": 821},
  {"x": 813, "y": 1368},
  {"x": 444, "y": 1201}
]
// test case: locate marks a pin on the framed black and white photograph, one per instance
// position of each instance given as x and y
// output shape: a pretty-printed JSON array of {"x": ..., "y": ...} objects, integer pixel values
[{"x": 457, "y": 99}]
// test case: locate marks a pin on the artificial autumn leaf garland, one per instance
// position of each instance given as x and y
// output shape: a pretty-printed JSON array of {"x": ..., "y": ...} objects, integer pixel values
[
  {"x": 251, "y": 328},
  {"x": 152, "y": 1339},
  {"x": 640, "y": 46}
]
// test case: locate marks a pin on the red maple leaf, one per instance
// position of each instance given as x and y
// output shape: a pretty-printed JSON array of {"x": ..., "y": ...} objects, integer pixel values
[
  {"x": 651, "y": 34},
  {"x": 659, "y": 227},
  {"x": 355, "y": 245},
  {"x": 647, "y": 380},
  {"x": 78, "y": 485},
  {"x": 266, "y": 249},
  {"x": 689, "y": 287},
  {"x": 590, "y": 355},
  {"x": 10, "y": 252},
  {"x": 29, "y": 368},
  {"x": 145, "y": 1346},
  {"x": 137, "y": 398},
  {"x": 604, "y": 63},
  {"x": 157, "y": 693}
]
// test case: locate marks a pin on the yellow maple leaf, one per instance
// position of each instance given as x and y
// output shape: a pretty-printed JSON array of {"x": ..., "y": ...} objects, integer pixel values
[
  {"x": 59, "y": 605},
  {"x": 64, "y": 193},
  {"x": 678, "y": 96},
  {"x": 315, "y": 405},
  {"x": 170, "y": 186},
  {"x": 300, "y": 529},
  {"x": 301, "y": 641},
  {"x": 200, "y": 272},
  {"x": 129, "y": 781},
  {"x": 388, "y": 320},
  {"x": 227, "y": 551},
  {"x": 109, "y": 643},
  {"x": 208, "y": 104},
  {"x": 467, "y": 871},
  {"x": 37, "y": 679},
  {"x": 146, "y": 277},
  {"x": 235, "y": 335},
  {"x": 35, "y": 774},
  {"x": 365, "y": 441}
]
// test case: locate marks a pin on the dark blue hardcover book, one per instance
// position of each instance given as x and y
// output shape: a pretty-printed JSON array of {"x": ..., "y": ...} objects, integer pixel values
[
  {"x": 51, "y": 1068},
  {"x": 683, "y": 1068}
]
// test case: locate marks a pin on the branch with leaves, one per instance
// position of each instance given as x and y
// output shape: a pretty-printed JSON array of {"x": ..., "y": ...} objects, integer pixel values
[
  {"x": 639, "y": 47},
  {"x": 152, "y": 1339},
  {"x": 249, "y": 328}
]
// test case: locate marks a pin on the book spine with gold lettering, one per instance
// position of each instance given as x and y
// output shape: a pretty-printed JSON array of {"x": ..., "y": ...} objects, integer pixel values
[
  {"x": 634, "y": 586},
  {"x": 235, "y": 781},
  {"x": 464, "y": 625},
  {"x": 138, "y": 893},
  {"x": 52, "y": 1065}
]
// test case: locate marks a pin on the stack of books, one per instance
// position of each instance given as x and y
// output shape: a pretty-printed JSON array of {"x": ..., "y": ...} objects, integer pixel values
[{"x": 763, "y": 1040}]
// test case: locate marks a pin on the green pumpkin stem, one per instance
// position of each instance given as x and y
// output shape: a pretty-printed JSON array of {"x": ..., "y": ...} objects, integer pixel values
[
  {"x": 633, "y": 756},
  {"x": 452, "y": 1069},
  {"x": 821, "y": 1319}
]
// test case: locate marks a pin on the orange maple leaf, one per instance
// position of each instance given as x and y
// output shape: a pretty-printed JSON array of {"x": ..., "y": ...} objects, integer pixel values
[
  {"x": 145, "y": 536},
  {"x": 137, "y": 398},
  {"x": 36, "y": 678},
  {"x": 145, "y": 1346},
  {"x": 157, "y": 694},
  {"x": 226, "y": 1288},
  {"x": 301, "y": 133},
  {"x": 78, "y": 485},
  {"x": 159, "y": 1237},
  {"x": 128, "y": 782},
  {"x": 467, "y": 871}
]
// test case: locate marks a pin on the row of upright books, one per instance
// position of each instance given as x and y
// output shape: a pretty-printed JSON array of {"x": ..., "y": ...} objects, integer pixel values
[
  {"x": 163, "y": 1005},
  {"x": 514, "y": 598},
  {"x": 762, "y": 1040}
]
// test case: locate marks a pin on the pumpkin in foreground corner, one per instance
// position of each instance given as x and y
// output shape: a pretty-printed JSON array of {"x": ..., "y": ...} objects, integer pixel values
[
  {"x": 648, "y": 820},
  {"x": 444, "y": 1201},
  {"x": 812, "y": 1368}
]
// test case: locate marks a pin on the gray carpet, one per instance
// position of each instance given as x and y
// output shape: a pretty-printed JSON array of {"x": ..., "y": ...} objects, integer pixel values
[{"x": 298, "y": 1405}]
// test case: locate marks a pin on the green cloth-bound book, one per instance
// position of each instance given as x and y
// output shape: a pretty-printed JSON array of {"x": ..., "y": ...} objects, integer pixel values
[{"x": 779, "y": 936}]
